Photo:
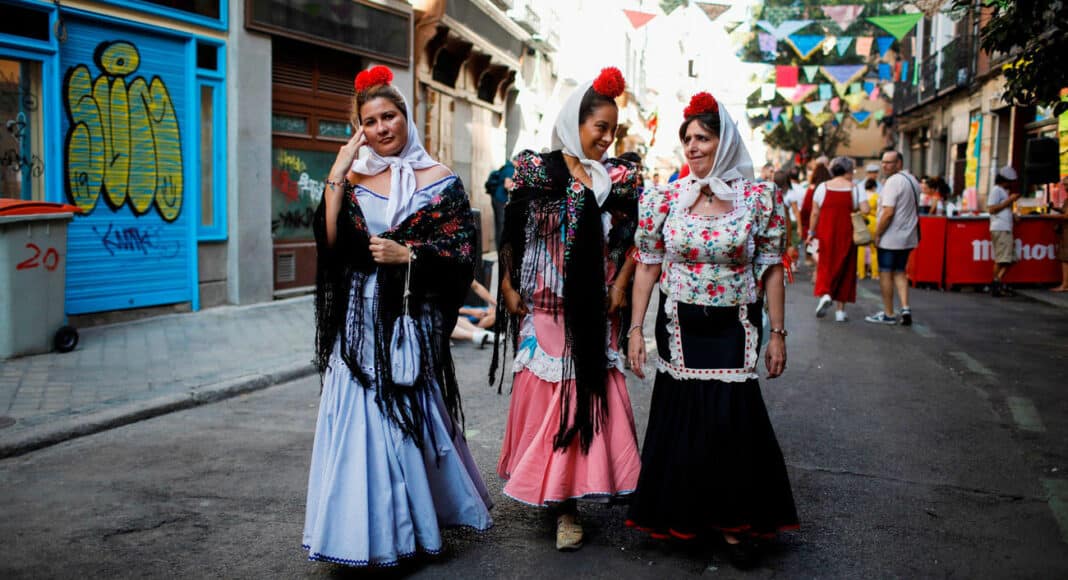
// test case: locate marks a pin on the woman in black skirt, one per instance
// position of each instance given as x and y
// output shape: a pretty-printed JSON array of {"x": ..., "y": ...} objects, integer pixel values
[{"x": 714, "y": 240}]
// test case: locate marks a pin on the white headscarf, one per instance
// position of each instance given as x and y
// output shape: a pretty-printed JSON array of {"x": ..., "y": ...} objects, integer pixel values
[
  {"x": 402, "y": 184},
  {"x": 732, "y": 162},
  {"x": 566, "y": 139}
]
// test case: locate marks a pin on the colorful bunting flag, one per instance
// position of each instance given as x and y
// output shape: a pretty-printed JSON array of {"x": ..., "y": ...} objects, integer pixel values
[
  {"x": 864, "y": 45},
  {"x": 862, "y": 118},
  {"x": 838, "y": 117},
  {"x": 843, "y": 15},
  {"x": 843, "y": 44},
  {"x": 888, "y": 88},
  {"x": 879, "y": 115},
  {"x": 797, "y": 94},
  {"x": 784, "y": 30},
  {"x": 805, "y": 45},
  {"x": 810, "y": 72},
  {"x": 828, "y": 45},
  {"x": 820, "y": 119},
  {"x": 786, "y": 123},
  {"x": 638, "y": 19},
  {"x": 869, "y": 87},
  {"x": 775, "y": 113},
  {"x": 767, "y": 42},
  {"x": 836, "y": 105},
  {"x": 785, "y": 76},
  {"x": 825, "y": 92},
  {"x": 855, "y": 89},
  {"x": 854, "y": 100},
  {"x": 898, "y": 24},
  {"x": 815, "y": 107},
  {"x": 884, "y": 43},
  {"x": 767, "y": 91},
  {"x": 884, "y": 71},
  {"x": 797, "y": 112},
  {"x": 874, "y": 94},
  {"x": 844, "y": 74}
]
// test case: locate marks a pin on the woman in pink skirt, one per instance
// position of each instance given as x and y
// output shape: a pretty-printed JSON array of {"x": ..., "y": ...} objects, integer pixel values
[{"x": 569, "y": 226}]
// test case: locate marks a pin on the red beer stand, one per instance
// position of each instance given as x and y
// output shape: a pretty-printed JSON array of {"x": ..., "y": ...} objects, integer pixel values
[
  {"x": 969, "y": 255},
  {"x": 927, "y": 261}
]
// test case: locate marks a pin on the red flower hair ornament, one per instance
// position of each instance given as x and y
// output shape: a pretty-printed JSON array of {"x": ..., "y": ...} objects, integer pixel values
[
  {"x": 374, "y": 76},
  {"x": 609, "y": 83},
  {"x": 700, "y": 104}
]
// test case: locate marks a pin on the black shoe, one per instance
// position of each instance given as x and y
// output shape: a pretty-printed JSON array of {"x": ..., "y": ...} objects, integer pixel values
[
  {"x": 1007, "y": 291},
  {"x": 906, "y": 317},
  {"x": 995, "y": 289},
  {"x": 745, "y": 554}
]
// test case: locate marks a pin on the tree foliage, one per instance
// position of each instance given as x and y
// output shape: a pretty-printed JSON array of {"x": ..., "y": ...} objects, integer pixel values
[{"x": 1035, "y": 34}]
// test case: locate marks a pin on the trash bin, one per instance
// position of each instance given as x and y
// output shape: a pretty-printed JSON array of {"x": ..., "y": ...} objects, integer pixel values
[{"x": 33, "y": 271}]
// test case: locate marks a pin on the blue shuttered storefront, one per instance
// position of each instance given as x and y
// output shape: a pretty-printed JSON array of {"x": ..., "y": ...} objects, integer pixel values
[{"x": 127, "y": 162}]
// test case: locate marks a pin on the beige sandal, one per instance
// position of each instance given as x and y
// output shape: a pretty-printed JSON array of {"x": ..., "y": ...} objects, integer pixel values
[{"x": 568, "y": 533}]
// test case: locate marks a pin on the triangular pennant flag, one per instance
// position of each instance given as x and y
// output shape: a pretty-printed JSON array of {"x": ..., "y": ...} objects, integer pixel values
[
  {"x": 767, "y": 91},
  {"x": 785, "y": 76},
  {"x": 888, "y": 88},
  {"x": 864, "y": 45},
  {"x": 843, "y": 44},
  {"x": 829, "y": 43},
  {"x": 815, "y": 107},
  {"x": 638, "y": 19},
  {"x": 825, "y": 92},
  {"x": 797, "y": 111},
  {"x": 884, "y": 71},
  {"x": 811, "y": 118},
  {"x": 786, "y": 123},
  {"x": 884, "y": 42},
  {"x": 823, "y": 119},
  {"x": 843, "y": 74},
  {"x": 854, "y": 100},
  {"x": 898, "y": 24},
  {"x": 782, "y": 31},
  {"x": 767, "y": 42},
  {"x": 843, "y": 15},
  {"x": 805, "y": 45},
  {"x": 879, "y": 115},
  {"x": 841, "y": 90},
  {"x": 775, "y": 113},
  {"x": 862, "y": 118},
  {"x": 810, "y": 72},
  {"x": 836, "y": 105},
  {"x": 869, "y": 87},
  {"x": 839, "y": 116},
  {"x": 855, "y": 89},
  {"x": 874, "y": 93}
]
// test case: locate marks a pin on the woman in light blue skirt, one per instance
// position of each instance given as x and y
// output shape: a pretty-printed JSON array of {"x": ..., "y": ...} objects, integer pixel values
[{"x": 395, "y": 239}]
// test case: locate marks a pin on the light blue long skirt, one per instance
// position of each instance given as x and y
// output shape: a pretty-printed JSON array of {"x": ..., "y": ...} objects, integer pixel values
[{"x": 374, "y": 497}]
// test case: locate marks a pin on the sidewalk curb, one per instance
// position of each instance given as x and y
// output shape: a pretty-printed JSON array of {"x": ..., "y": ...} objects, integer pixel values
[{"x": 34, "y": 438}]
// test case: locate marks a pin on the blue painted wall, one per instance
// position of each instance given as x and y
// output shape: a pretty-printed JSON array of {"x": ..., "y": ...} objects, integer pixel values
[{"x": 128, "y": 160}]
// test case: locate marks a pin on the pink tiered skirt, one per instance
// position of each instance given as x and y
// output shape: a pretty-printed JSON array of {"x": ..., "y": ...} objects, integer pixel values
[{"x": 539, "y": 475}]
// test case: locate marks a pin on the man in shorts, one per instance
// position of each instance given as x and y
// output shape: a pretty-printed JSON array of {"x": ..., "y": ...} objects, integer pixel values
[
  {"x": 897, "y": 232},
  {"x": 999, "y": 206}
]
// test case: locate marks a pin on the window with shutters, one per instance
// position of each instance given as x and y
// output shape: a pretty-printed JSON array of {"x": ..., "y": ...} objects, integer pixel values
[{"x": 311, "y": 95}]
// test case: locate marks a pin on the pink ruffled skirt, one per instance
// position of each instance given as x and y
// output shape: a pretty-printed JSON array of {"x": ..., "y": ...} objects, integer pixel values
[{"x": 539, "y": 475}]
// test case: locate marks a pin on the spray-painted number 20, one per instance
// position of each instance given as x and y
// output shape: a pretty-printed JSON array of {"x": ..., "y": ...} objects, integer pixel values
[{"x": 50, "y": 259}]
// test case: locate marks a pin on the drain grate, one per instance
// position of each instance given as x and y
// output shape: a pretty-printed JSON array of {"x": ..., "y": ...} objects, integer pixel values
[{"x": 6, "y": 422}]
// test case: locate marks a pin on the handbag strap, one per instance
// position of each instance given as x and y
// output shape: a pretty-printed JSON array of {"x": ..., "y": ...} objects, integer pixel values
[{"x": 407, "y": 279}]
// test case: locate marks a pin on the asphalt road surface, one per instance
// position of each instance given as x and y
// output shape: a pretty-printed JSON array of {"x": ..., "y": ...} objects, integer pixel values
[{"x": 931, "y": 451}]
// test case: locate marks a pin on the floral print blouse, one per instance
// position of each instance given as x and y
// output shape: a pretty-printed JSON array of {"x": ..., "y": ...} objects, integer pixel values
[{"x": 712, "y": 260}]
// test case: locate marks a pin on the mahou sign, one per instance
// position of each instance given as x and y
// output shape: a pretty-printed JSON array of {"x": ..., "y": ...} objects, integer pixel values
[{"x": 970, "y": 257}]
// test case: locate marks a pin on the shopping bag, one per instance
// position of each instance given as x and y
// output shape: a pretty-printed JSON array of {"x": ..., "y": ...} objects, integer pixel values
[{"x": 861, "y": 234}]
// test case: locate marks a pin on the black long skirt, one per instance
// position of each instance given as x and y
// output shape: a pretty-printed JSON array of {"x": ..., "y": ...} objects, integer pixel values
[{"x": 710, "y": 462}]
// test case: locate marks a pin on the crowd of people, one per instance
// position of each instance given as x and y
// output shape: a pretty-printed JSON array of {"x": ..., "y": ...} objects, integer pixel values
[{"x": 583, "y": 244}]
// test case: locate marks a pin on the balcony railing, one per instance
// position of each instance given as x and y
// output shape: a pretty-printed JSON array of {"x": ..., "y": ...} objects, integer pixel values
[{"x": 948, "y": 69}]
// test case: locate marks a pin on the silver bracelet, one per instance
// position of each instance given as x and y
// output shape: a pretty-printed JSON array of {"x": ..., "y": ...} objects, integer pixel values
[{"x": 633, "y": 327}]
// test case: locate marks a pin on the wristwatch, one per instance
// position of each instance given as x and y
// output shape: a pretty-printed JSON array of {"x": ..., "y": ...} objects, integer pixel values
[{"x": 781, "y": 331}]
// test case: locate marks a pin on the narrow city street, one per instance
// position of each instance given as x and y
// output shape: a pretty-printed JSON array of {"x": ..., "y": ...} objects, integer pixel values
[{"x": 931, "y": 451}]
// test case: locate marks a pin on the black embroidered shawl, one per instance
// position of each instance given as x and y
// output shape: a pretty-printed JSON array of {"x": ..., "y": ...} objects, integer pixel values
[
  {"x": 441, "y": 236},
  {"x": 544, "y": 187}
]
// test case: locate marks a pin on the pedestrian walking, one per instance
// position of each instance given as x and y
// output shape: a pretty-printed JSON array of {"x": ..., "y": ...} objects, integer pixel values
[
  {"x": 395, "y": 238},
  {"x": 819, "y": 174},
  {"x": 565, "y": 276},
  {"x": 833, "y": 205},
  {"x": 711, "y": 464},
  {"x": 868, "y": 255},
  {"x": 999, "y": 206},
  {"x": 897, "y": 232},
  {"x": 497, "y": 185}
]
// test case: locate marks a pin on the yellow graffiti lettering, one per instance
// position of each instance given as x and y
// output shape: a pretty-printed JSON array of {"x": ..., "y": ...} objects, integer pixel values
[
  {"x": 290, "y": 162},
  {"x": 124, "y": 140}
]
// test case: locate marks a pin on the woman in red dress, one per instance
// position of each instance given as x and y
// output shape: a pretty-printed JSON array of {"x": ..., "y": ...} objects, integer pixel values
[
  {"x": 818, "y": 176},
  {"x": 832, "y": 203}
]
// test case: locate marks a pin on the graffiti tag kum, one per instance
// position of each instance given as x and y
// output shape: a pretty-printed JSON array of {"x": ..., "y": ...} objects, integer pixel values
[
  {"x": 294, "y": 219},
  {"x": 49, "y": 259},
  {"x": 135, "y": 240},
  {"x": 124, "y": 141}
]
